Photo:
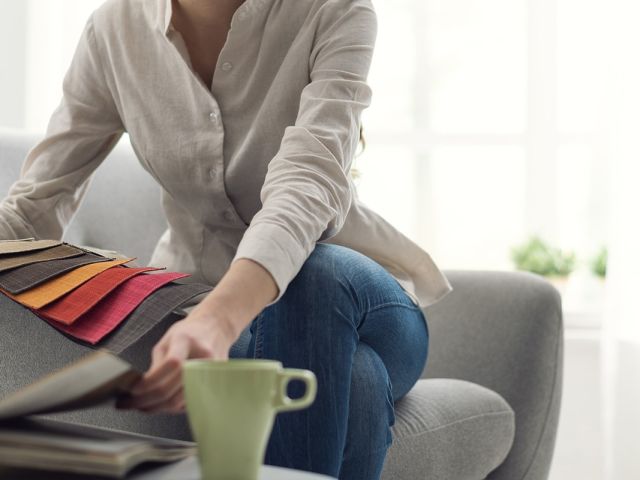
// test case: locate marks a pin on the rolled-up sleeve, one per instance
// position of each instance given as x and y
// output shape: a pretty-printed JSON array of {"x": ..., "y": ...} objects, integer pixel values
[
  {"x": 81, "y": 132},
  {"x": 307, "y": 193}
]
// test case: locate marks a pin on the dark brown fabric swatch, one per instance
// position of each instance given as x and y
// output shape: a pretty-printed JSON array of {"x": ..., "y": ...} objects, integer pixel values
[
  {"x": 15, "y": 260},
  {"x": 22, "y": 278},
  {"x": 151, "y": 312}
]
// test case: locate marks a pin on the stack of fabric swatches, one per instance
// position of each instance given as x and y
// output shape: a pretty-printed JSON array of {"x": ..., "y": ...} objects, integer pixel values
[{"x": 92, "y": 298}]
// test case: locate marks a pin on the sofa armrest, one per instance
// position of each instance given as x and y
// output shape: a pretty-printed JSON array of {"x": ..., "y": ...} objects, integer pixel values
[{"x": 503, "y": 330}]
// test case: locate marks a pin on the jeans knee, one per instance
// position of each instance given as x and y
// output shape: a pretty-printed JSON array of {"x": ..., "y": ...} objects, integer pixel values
[
  {"x": 335, "y": 273},
  {"x": 317, "y": 312},
  {"x": 324, "y": 266},
  {"x": 323, "y": 283}
]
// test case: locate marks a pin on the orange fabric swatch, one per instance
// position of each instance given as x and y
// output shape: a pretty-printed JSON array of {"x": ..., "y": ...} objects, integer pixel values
[{"x": 55, "y": 288}]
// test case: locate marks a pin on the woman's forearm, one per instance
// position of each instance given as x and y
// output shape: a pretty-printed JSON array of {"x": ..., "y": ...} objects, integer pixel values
[{"x": 242, "y": 293}]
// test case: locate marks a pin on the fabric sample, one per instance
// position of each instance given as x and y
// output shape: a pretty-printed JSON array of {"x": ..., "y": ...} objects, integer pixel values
[
  {"x": 20, "y": 279},
  {"x": 55, "y": 288},
  {"x": 15, "y": 260},
  {"x": 76, "y": 303},
  {"x": 151, "y": 312},
  {"x": 13, "y": 246},
  {"x": 116, "y": 306}
]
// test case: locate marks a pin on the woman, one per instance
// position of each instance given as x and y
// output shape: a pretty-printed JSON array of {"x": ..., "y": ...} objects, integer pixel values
[{"x": 248, "y": 115}]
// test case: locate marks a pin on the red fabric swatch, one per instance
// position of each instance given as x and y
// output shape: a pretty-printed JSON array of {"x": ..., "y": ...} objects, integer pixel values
[
  {"x": 115, "y": 307},
  {"x": 76, "y": 303}
]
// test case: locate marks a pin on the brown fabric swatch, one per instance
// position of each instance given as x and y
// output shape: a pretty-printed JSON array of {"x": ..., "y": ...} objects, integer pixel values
[
  {"x": 15, "y": 260},
  {"x": 151, "y": 312},
  {"x": 22, "y": 246},
  {"x": 22, "y": 278}
]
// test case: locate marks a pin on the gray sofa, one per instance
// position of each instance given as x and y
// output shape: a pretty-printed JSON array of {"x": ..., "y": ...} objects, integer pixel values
[{"x": 487, "y": 406}]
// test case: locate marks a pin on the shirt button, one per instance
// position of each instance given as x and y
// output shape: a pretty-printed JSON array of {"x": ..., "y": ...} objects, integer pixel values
[
  {"x": 213, "y": 173},
  {"x": 226, "y": 66},
  {"x": 228, "y": 214},
  {"x": 213, "y": 116}
]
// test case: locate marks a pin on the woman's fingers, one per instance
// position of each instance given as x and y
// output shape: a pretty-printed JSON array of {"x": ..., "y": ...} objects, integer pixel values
[
  {"x": 164, "y": 376},
  {"x": 159, "y": 351},
  {"x": 174, "y": 404},
  {"x": 163, "y": 364},
  {"x": 160, "y": 392},
  {"x": 161, "y": 386}
]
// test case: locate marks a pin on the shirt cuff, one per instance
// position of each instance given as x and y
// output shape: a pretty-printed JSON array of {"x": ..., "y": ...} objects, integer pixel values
[{"x": 276, "y": 250}]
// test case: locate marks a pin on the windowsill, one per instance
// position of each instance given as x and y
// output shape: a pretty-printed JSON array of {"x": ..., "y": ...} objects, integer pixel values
[
  {"x": 579, "y": 320},
  {"x": 583, "y": 297}
]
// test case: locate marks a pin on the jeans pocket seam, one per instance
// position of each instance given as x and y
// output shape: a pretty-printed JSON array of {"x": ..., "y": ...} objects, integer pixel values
[{"x": 259, "y": 339}]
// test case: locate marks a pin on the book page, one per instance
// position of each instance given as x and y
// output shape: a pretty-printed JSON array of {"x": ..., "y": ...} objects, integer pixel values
[{"x": 91, "y": 380}]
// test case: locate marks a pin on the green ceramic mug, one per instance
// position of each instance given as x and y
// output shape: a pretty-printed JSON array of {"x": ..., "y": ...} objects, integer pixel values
[{"x": 231, "y": 406}]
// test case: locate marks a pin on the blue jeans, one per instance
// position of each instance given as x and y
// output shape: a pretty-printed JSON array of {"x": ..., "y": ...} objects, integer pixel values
[{"x": 345, "y": 318}]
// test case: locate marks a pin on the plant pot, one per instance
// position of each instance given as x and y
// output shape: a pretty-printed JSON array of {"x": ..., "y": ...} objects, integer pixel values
[{"x": 560, "y": 283}]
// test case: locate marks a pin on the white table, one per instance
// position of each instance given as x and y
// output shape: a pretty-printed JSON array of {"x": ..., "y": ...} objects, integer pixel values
[{"x": 188, "y": 469}]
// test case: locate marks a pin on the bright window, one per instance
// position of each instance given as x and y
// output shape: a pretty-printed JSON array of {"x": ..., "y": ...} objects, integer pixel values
[{"x": 484, "y": 127}]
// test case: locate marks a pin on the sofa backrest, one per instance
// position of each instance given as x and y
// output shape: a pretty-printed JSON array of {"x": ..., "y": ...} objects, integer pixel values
[{"x": 122, "y": 208}]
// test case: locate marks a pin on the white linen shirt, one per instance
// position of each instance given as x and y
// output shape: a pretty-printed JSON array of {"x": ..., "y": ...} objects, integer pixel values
[{"x": 256, "y": 165}]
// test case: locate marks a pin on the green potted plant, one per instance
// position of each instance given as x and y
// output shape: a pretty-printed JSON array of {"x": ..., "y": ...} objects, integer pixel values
[
  {"x": 537, "y": 256},
  {"x": 599, "y": 263}
]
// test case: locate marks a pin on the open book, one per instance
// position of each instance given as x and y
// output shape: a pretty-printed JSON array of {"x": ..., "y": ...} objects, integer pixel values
[{"x": 40, "y": 443}]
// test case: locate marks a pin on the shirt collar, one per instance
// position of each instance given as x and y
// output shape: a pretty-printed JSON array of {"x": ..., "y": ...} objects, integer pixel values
[{"x": 165, "y": 11}]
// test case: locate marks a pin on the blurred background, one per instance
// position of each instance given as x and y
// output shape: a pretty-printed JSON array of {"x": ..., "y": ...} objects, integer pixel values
[{"x": 502, "y": 135}]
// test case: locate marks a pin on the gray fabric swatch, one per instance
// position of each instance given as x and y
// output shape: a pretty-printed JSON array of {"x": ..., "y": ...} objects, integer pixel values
[
  {"x": 151, "y": 312},
  {"x": 23, "y": 278}
]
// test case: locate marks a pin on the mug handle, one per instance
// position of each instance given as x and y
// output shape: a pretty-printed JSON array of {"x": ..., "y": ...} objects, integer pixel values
[{"x": 284, "y": 403}]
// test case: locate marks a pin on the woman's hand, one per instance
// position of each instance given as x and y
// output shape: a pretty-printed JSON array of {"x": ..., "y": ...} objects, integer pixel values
[
  {"x": 201, "y": 334},
  {"x": 207, "y": 332}
]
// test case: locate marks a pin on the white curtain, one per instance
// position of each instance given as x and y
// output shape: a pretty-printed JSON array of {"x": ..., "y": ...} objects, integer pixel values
[
  {"x": 52, "y": 32},
  {"x": 622, "y": 319}
]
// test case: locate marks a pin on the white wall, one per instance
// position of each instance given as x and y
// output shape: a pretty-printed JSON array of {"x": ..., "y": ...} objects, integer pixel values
[
  {"x": 53, "y": 30},
  {"x": 37, "y": 41},
  {"x": 13, "y": 20}
]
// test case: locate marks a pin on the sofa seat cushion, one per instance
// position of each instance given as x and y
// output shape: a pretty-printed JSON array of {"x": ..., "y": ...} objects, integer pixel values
[{"x": 450, "y": 430}]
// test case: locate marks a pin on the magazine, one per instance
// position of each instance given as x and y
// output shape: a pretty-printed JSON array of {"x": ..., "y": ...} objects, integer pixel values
[{"x": 54, "y": 445}]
